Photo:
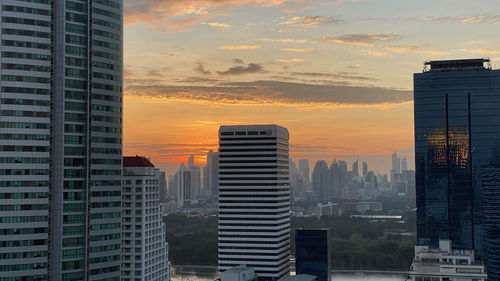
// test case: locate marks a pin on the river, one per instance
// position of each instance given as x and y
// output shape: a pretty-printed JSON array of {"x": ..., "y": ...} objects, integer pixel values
[{"x": 189, "y": 273}]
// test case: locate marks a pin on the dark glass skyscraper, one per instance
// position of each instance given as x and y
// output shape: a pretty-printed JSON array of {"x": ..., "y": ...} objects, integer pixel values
[
  {"x": 457, "y": 138},
  {"x": 312, "y": 253}
]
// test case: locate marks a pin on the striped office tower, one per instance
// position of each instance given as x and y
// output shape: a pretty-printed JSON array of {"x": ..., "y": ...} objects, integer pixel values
[{"x": 254, "y": 199}]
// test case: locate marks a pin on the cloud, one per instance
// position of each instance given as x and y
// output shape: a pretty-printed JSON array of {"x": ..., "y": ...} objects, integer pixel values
[
  {"x": 289, "y": 60},
  {"x": 240, "y": 47},
  {"x": 219, "y": 24},
  {"x": 285, "y": 40},
  {"x": 275, "y": 93},
  {"x": 238, "y": 61},
  {"x": 337, "y": 2},
  {"x": 155, "y": 12},
  {"x": 155, "y": 72},
  {"x": 414, "y": 49},
  {"x": 201, "y": 69},
  {"x": 308, "y": 50},
  {"x": 483, "y": 19},
  {"x": 484, "y": 51},
  {"x": 309, "y": 21},
  {"x": 373, "y": 53},
  {"x": 339, "y": 75},
  {"x": 241, "y": 70},
  {"x": 366, "y": 40}
]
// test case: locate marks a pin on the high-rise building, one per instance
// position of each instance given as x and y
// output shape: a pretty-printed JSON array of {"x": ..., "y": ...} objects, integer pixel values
[
  {"x": 456, "y": 139},
  {"x": 343, "y": 173},
  {"x": 355, "y": 167},
  {"x": 321, "y": 182},
  {"x": 195, "y": 181},
  {"x": 163, "y": 187},
  {"x": 404, "y": 165},
  {"x": 365, "y": 169},
  {"x": 312, "y": 253},
  {"x": 190, "y": 162},
  {"x": 213, "y": 172},
  {"x": 396, "y": 163},
  {"x": 144, "y": 250},
  {"x": 254, "y": 199},
  {"x": 182, "y": 184},
  {"x": 61, "y": 139},
  {"x": 335, "y": 180},
  {"x": 304, "y": 169}
]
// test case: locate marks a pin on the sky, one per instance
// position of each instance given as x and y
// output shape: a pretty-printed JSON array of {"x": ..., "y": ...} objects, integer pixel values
[{"x": 337, "y": 73}]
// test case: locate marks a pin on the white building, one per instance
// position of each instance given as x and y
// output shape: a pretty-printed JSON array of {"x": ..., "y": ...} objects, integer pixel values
[
  {"x": 254, "y": 199},
  {"x": 144, "y": 247},
  {"x": 445, "y": 264},
  {"x": 239, "y": 273}
]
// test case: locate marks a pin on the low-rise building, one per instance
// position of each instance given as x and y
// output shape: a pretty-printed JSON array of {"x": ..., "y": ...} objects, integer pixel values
[{"x": 445, "y": 264}]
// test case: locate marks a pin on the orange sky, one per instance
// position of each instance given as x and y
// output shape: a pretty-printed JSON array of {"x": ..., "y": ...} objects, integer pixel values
[{"x": 337, "y": 73}]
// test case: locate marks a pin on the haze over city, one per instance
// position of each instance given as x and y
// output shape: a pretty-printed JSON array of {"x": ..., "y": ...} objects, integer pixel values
[{"x": 337, "y": 74}]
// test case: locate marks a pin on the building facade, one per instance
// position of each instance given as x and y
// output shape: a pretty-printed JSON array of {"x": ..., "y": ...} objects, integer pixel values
[
  {"x": 144, "y": 248},
  {"x": 312, "y": 253},
  {"x": 61, "y": 139},
  {"x": 456, "y": 138},
  {"x": 254, "y": 199}
]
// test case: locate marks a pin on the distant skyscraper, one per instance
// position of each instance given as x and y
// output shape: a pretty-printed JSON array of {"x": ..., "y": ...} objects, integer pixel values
[
  {"x": 304, "y": 169},
  {"x": 365, "y": 169},
  {"x": 206, "y": 181},
  {"x": 195, "y": 181},
  {"x": 144, "y": 248},
  {"x": 312, "y": 253},
  {"x": 335, "y": 180},
  {"x": 254, "y": 199},
  {"x": 213, "y": 172},
  {"x": 60, "y": 139},
  {"x": 343, "y": 173},
  {"x": 404, "y": 165},
  {"x": 396, "y": 163},
  {"x": 457, "y": 144},
  {"x": 190, "y": 162},
  {"x": 355, "y": 167},
  {"x": 321, "y": 182},
  {"x": 182, "y": 185}
]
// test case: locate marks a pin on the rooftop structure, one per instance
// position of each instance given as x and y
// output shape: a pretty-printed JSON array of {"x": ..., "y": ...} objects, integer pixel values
[
  {"x": 239, "y": 273},
  {"x": 454, "y": 65},
  {"x": 445, "y": 263}
]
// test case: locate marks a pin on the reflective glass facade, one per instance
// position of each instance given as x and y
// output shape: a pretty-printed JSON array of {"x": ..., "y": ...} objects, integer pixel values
[
  {"x": 60, "y": 139},
  {"x": 457, "y": 133},
  {"x": 312, "y": 253}
]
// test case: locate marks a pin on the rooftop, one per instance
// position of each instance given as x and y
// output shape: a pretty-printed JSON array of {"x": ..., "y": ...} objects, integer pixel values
[
  {"x": 300, "y": 277},
  {"x": 456, "y": 65},
  {"x": 136, "y": 161}
]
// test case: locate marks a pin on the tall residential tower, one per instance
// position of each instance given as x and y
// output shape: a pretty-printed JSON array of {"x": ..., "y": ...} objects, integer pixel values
[
  {"x": 60, "y": 139},
  {"x": 254, "y": 199}
]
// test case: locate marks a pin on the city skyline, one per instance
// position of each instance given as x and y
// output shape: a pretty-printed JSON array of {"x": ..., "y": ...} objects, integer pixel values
[{"x": 197, "y": 65}]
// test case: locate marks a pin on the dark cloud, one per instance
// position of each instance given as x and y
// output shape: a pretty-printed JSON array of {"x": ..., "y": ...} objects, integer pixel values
[
  {"x": 238, "y": 61},
  {"x": 201, "y": 69},
  {"x": 241, "y": 70},
  {"x": 339, "y": 75},
  {"x": 198, "y": 80},
  {"x": 276, "y": 92}
]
